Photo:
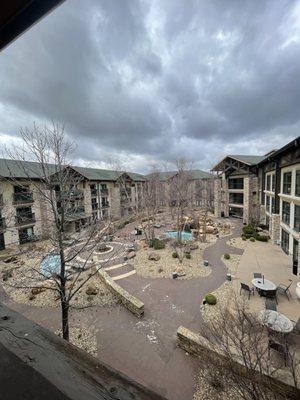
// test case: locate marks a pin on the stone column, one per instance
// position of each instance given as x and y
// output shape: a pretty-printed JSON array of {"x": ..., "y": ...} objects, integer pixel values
[
  {"x": 275, "y": 228},
  {"x": 87, "y": 201},
  {"x": 115, "y": 202},
  {"x": 262, "y": 214},
  {"x": 247, "y": 202},
  {"x": 217, "y": 198}
]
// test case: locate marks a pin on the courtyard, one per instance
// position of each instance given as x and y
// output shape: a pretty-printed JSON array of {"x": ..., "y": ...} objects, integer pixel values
[{"x": 145, "y": 349}]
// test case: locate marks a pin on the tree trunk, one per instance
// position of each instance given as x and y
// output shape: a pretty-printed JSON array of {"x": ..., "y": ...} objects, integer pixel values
[{"x": 65, "y": 319}]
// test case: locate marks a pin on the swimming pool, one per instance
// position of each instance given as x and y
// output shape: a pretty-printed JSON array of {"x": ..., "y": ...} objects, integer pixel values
[
  {"x": 50, "y": 265},
  {"x": 184, "y": 235}
]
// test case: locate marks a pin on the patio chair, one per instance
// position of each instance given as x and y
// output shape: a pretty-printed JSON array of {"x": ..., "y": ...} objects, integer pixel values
[
  {"x": 279, "y": 348},
  {"x": 271, "y": 304},
  {"x": 247, "y": 288},
  {"x": 284, "y": 289},
  {"x": 257, "y": 275},
  {"x": 296, "y": 328},
  {"x": 271, "y": 294}
]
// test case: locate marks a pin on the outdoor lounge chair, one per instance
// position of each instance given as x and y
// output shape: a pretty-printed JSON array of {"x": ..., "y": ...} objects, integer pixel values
[
  {"x": 271, "y": 294},
  {"x": 284, "y": 289},
  {"x": 279, "y": 348},
  {"x": 257, "y": 275},
  {"x": 271, "y": 304},
  {"x": 247, "y": 288}
]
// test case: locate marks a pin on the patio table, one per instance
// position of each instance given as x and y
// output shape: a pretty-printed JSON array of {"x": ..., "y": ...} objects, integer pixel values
[
  {"x": 263, "y": 285},
  {"x": 276, "y": 321}
]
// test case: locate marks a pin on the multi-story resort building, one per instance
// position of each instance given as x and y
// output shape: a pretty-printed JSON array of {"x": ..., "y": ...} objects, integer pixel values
[
  {"x": 264, "y": 189},
  {"x": 200, "y": 187},
  {"x": 95, "y": 194}
]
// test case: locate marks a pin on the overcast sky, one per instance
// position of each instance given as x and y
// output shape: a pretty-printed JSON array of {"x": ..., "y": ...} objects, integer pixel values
[{"x": 151, "y": 81}]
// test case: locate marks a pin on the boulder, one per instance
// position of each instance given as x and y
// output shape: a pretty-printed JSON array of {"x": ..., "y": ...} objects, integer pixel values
[
  {"x": 6, "y": 275},
  {"x": 92, "y": 290},
  {"x": 154, "y": 257},
  {"x": 37, "y": 290},
  {"x": 193, "y": 246},
  {"x": 130, "y": 255}
]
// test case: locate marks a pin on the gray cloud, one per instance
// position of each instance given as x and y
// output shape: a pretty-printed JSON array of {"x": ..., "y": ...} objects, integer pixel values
[{"x": 149, "y": 81}]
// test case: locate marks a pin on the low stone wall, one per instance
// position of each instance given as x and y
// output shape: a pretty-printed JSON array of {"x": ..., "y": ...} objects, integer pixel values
[
  {"x": 130, "y": 302},
  {"x": 197, "y": 345}
]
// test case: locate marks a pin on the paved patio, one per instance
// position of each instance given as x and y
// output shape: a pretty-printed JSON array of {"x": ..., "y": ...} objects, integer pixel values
[{"x": 276, "y": 266}]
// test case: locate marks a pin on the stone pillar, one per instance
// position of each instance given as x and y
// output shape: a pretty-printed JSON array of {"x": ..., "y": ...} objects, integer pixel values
[
  {"x": 275, "y": 228},
  {"x": 217, "y": 197},
  {"x": 87, "y": 201},
  {"x": 115, "y": 203},
  {"x": 247, "y": 202},
  {"x": 262, "y": 214}
]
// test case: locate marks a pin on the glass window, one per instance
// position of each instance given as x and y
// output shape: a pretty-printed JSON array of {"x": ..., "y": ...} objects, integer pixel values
[
  {"x": 268, "y": 203},
  {"x": 285, "y": 241},
  {"x": 297, "y": 188},
  {"x": 268, "y": 183},
  {"x": 273, "y": 205},
  {"x": 236, "y": 183},
  {"x": 273, "y": 183},
  {"x": 297, "y": 219},
  {"x": 286, "y": 209},
  {"x": 287, "y": 183},
  {"x": 236, "y": 198}
]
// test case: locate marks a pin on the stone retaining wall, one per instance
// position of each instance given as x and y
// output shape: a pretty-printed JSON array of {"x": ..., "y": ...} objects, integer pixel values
[
  {"x": 130, "y": 302},
  {"x": 197, "y": 345}
]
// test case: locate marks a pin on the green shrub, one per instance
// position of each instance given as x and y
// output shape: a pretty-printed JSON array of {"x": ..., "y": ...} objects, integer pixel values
[
  {"x": 121, "y": 225},
  {"x": 248, "y": 230},
  {"x": 227, "y": 256},
  {"x": 188, "y": 256},
  {"x": 244, "y": 237},
  {"x": 262, "y": 238},
  {"x": 210, "y": 299},
  {"x": 175, "y": 254},
  {"x": 157, "y": 244},
  {"x": 252, "y": 239}
]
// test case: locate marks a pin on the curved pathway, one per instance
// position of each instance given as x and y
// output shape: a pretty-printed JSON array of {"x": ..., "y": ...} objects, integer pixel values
[{"x": 145, "y": 349}]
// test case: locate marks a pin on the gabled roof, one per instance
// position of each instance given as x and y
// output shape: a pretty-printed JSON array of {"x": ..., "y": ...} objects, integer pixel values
[
  {"x": 194, "y": 174},
  {"x": 24, "y": 169},
  {"x": 248, "y": 159}
]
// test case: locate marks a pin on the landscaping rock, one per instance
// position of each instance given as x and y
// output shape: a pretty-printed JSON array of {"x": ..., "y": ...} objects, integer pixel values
[
  {"x": 131, "y": 254},
  {"x": 37, "y": 290},
  {"x": 91, "y": 290},
  {"x": 154, "y": 257},
  {"x": 193, "y": 246},
  {"x": 6, "y": 275}
]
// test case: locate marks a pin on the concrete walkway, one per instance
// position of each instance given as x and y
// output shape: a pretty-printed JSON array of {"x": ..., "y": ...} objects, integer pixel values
[{"x": 145, "y": 349}]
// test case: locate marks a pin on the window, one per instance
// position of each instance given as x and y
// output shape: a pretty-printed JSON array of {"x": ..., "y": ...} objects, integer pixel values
[
  {"x": 297, "y": 219},
  {"x": 236, "y": 198},
  {"x": 286, "y": 209},
  {"x": 273, "y": 205},
  {"x": 268, "y": 183},
  {"x": 236, "y": 183},
  {"x": 273, "y": 183},
  {"x": 285, "y": 238},
  {"x": 287, "y": 183},
  {"x": 297, "y": 188},
  {"x": 268, "y": 204}
]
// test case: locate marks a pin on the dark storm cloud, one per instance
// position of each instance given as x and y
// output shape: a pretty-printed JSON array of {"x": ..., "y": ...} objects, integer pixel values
[{"x": 148, "y": 81}]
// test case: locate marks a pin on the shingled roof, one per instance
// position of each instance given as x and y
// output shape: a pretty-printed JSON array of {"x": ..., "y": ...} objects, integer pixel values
[
  {"x": 194, "y": 174},
  {"x": 248, "y": 159},
  {"x": 24, "y": 169}
]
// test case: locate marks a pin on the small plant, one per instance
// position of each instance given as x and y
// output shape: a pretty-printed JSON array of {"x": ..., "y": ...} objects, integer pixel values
[
  {"x": 210, "y": 299},
  {"x": 160, "y": 270},
  {"x": 226, "y": 256},
  {"x": 188, "y": 256},
  {"x": 262, "y": 238},
  {"x": 252, "y": 239},
  {"x": 175, "y": 254},
  {"x": 157, "y": 244},
  {"x": 244, "y": 238}
]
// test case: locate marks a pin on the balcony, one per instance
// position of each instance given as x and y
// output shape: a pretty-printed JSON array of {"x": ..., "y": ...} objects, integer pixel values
[
  {"x": 94, "y": 206},
  {"x": 2, "y": 223},
  {"x": 25, "y": 219},
  {"x": 72, "y": 193},
  {"x": 22, "y": 198},
  {"x": 125, "y": 192},
  {"x": 236, "y": 198},
  {"x": 105, "y": 204},
  {"x": 94, "y": 192}
]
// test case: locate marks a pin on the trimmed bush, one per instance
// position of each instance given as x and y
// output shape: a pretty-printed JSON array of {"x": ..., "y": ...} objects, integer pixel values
[
  {"x": 252, "y": 239},
  {"x": 244, "y": 238},
  {"x": 227, "y": 256},
  {"x": 188, "y": 256},
  {"x": 157, "y": 244},
  {"x": 248, "y": 230},
  {"x": 262, "y": 238},
  {"x": 175, "y": 254},
  {"x": 121, "y": 225},
  {"x": 210, "y": 299}
]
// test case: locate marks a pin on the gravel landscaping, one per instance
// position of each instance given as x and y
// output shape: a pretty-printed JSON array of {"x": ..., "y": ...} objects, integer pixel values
[
  {"x": 166, "y": 265},
  {"x": 238, "y": 242}
]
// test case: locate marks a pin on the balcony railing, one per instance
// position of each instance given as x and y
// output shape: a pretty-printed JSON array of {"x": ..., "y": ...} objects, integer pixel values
[
  {"x": 2, "y": 223},
  {"x": 94, "y": 206},
  {"x": 72, "y": 193},
  {"x": 94, "y": 192},
  {"x": 105, "y": 204},
  {"x": 25, "y": 197},
  {"x": 125, "y": 192},
  {"x": 25, "y": 219},
  {"x": 27, "y": 239}
]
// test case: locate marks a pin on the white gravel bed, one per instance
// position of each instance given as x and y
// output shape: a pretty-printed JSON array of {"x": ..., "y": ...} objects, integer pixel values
[
  {"x": 238, "y": 242},
  {"x": 83, "y": 338},
  {"x": 164, "y": 267}
]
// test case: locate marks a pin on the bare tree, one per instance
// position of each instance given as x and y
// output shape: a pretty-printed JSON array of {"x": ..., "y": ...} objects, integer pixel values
[
  {"x": 241, "y": 358},
  {"x": 59, "y": 190}
]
